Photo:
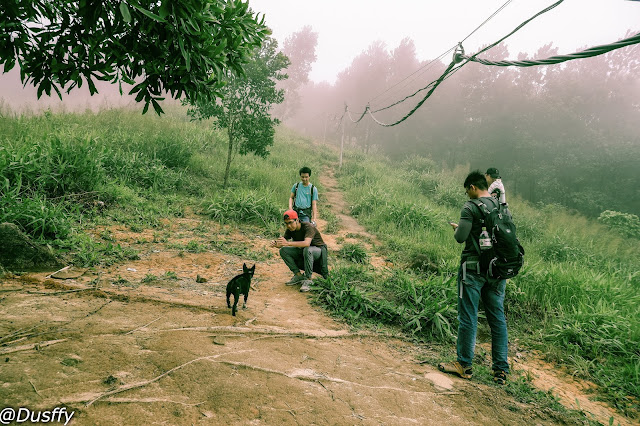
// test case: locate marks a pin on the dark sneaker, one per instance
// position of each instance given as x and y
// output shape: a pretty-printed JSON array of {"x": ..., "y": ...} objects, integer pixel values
[
  {"x": 306, "y": 286},
  {"x": 500, "y": 377},
  {"x": 295, "y": 280},
  {"x": 456, "y": 368}
]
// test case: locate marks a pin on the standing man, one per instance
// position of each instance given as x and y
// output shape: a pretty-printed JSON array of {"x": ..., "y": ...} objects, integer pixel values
[
  {"x": 304, "y": 197},
  {"x": 473, "y": 285},
  {"x": 496, "y": 188},
  {"x": 306, "y": 250}
]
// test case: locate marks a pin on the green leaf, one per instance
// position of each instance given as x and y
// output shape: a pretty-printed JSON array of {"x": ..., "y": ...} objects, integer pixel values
[
  {"x": 164, "y": 9},
  {"x": 149, "y": 14},
  {"x": 124, "y": 10}
]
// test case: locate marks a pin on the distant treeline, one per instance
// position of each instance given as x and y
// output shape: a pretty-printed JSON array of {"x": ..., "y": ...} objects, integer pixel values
[{"x": 566, "y": 134}]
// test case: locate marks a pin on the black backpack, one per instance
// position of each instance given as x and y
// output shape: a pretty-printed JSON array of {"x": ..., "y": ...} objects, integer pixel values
[{"x": 505, "y": 259}]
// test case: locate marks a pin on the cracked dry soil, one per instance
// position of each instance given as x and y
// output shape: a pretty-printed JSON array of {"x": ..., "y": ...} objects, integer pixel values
[{"x": 166, "y": 350}]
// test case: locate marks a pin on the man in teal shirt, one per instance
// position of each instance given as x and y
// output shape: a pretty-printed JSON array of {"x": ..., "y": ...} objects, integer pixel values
[{"x": 304, "y": 197}]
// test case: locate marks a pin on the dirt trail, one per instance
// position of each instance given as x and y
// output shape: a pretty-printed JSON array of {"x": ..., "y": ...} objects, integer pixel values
[{"x": 150, "y": 345}]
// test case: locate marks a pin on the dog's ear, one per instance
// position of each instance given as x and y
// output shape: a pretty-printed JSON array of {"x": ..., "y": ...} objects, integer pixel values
[
  {"x": 253, "y": 268},
  {"x": 244, "y": 267}
]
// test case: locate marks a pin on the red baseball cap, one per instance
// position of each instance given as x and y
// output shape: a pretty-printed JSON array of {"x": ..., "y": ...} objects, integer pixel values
[{"x": 290, "y": 214}]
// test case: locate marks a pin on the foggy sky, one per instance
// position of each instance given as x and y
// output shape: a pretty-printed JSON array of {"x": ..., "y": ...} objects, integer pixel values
[{"x": 348, "y": 27}]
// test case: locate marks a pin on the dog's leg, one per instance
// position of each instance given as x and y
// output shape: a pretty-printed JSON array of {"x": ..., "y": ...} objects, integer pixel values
[
  {"x": 236, "y": 299},
  {"x": 246, "y": 296}
]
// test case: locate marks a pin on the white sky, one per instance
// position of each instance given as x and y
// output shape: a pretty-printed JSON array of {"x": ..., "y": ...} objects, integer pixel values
[{"x": 347, "y": 27}]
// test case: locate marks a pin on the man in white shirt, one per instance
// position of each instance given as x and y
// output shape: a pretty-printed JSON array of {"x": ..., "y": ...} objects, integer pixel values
[{"x": 496, "y": 188}]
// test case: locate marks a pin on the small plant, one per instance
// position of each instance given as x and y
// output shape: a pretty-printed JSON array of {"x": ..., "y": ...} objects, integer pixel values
[
  {"x": 354, "y": 252},
  {"x": 106, "y": 235},
  {"x": 194, "y": 247},
  {"x": 170, "y": 275},
  {"x": 149, "y": 278},
  {"x": 160, "y": 237},
  {"x": 333, "y": 223}
]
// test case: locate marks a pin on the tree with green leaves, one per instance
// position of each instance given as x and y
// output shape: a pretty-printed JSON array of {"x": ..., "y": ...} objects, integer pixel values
[
  {"x": 245, "y": 108},
  {"x": 181, "y": 47}
]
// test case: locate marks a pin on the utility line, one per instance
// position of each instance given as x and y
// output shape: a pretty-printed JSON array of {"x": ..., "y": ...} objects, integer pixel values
[
  {"x": 452, "y": 68},
  {"x": 424, "y": 68}
]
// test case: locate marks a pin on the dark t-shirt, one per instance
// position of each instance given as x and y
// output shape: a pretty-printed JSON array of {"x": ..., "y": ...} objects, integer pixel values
[
  {"x": 470, "y": 213},
  {"x": 307, "y": 230}
]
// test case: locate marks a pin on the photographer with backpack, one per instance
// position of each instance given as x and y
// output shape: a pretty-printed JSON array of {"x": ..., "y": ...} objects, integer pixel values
[{"x": 491, "y": 254}]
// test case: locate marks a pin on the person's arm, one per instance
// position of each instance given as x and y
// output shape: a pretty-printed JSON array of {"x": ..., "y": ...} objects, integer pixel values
[
  {"x": 291, "y": 201},
  {"x": 301, "y": 244},
  {"x": 314, "y": 211},
  {"x": 463, "y": 228}
]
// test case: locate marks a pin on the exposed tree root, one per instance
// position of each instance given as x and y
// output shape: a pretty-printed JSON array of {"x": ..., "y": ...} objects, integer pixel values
[
  {"x": 35, "y": 346},
  {"x": 142, "y": 326},
  {"x": 155, "y": 379}
]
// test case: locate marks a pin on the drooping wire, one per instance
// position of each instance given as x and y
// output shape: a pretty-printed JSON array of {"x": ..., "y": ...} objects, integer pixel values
[
  {"x": 557, "y": 59},
  {"x": 452, "y": 68},
  {"x": 424, "y": 68}
]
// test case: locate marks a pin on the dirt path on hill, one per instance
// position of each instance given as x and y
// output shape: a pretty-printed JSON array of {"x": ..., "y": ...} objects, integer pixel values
[{"x": 144, "y": 343}]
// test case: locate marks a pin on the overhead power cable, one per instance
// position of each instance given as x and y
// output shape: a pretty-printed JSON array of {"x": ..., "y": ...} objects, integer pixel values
[
  {"x": 460, "y": 59},
  {"x": 587, "y": 53},
  {"x": 424, "y": 68}
]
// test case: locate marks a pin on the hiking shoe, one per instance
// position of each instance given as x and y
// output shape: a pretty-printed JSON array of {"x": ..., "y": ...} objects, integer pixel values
[
  {"x": 306, "y": 286},
  {"x": 500, "y": 377},
  {"x": 455, "y": 368},
  {"x": 295, "y": 279}
]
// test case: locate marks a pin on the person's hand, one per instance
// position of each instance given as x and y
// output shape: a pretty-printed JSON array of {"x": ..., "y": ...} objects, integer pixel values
[
  {"x": 453, "y": 225},
  {"x": 280, "y": 242}
]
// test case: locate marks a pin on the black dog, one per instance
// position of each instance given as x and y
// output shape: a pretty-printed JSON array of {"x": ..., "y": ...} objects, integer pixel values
[{"x": 238, "y": 285}]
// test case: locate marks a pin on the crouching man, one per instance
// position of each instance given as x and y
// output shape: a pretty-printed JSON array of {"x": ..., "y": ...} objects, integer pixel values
[{"x": 302, "y": 247}]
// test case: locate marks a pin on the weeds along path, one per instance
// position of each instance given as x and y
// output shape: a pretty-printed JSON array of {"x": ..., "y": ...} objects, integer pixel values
[
  {"x": 350, "y": 231},
  {"x": 145, "y": 343}
]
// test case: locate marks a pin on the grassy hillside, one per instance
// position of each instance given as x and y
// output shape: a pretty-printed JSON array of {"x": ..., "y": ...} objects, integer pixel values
[{"x": 576, "y": 299}]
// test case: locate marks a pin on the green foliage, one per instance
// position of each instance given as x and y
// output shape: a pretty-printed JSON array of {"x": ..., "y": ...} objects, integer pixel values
[
  {"x": 243, "y": 206},
  {"x": 354, "y": 252},
  {"x": 425, "y": 310},
  {"x": 625, "y": 223},
  {"x": 333, "y": 223},
  {"x": 418, "y": 164},
  {"x": 181, "y": 47},
  {"x": 244, "y": 111}
]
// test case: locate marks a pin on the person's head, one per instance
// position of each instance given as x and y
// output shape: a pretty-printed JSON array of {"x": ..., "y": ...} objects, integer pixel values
[
  {"x": 291, "y": 220},
  {"x": 475, "y": 183},
  {"x": 305, "y": 174},
  {"x": 492, "y": 174}
]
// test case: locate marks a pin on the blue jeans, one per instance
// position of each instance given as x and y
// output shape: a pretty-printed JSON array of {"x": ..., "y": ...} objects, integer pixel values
[{"x": 472, "y": 287}]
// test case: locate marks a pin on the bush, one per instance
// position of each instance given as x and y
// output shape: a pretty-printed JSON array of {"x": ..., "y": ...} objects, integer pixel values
[
  {"x": 354, "y": 252},
  {"x": 625, "y": 223},
  {"x": 243, "y": 206}
]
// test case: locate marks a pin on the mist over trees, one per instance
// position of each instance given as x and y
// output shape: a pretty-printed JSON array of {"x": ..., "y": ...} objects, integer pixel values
[{"x": 566, "y": 134}]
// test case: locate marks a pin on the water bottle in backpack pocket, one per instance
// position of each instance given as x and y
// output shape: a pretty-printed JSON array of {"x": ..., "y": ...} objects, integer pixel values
[{"x": 503, "y": 256}]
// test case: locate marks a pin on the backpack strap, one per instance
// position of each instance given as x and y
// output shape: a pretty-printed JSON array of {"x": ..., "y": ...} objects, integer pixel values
[
  {"x": 484, "y": 210},
  {"x": 295, "y": 195}
]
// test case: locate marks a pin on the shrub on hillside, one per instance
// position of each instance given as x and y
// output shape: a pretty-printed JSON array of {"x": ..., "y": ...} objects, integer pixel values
[
  {"x": 246, "y": 206},
  {"x": 625, "y": 223},
  {"x": 418, "y": 163},
  {"x": 354, "y": 252}
]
